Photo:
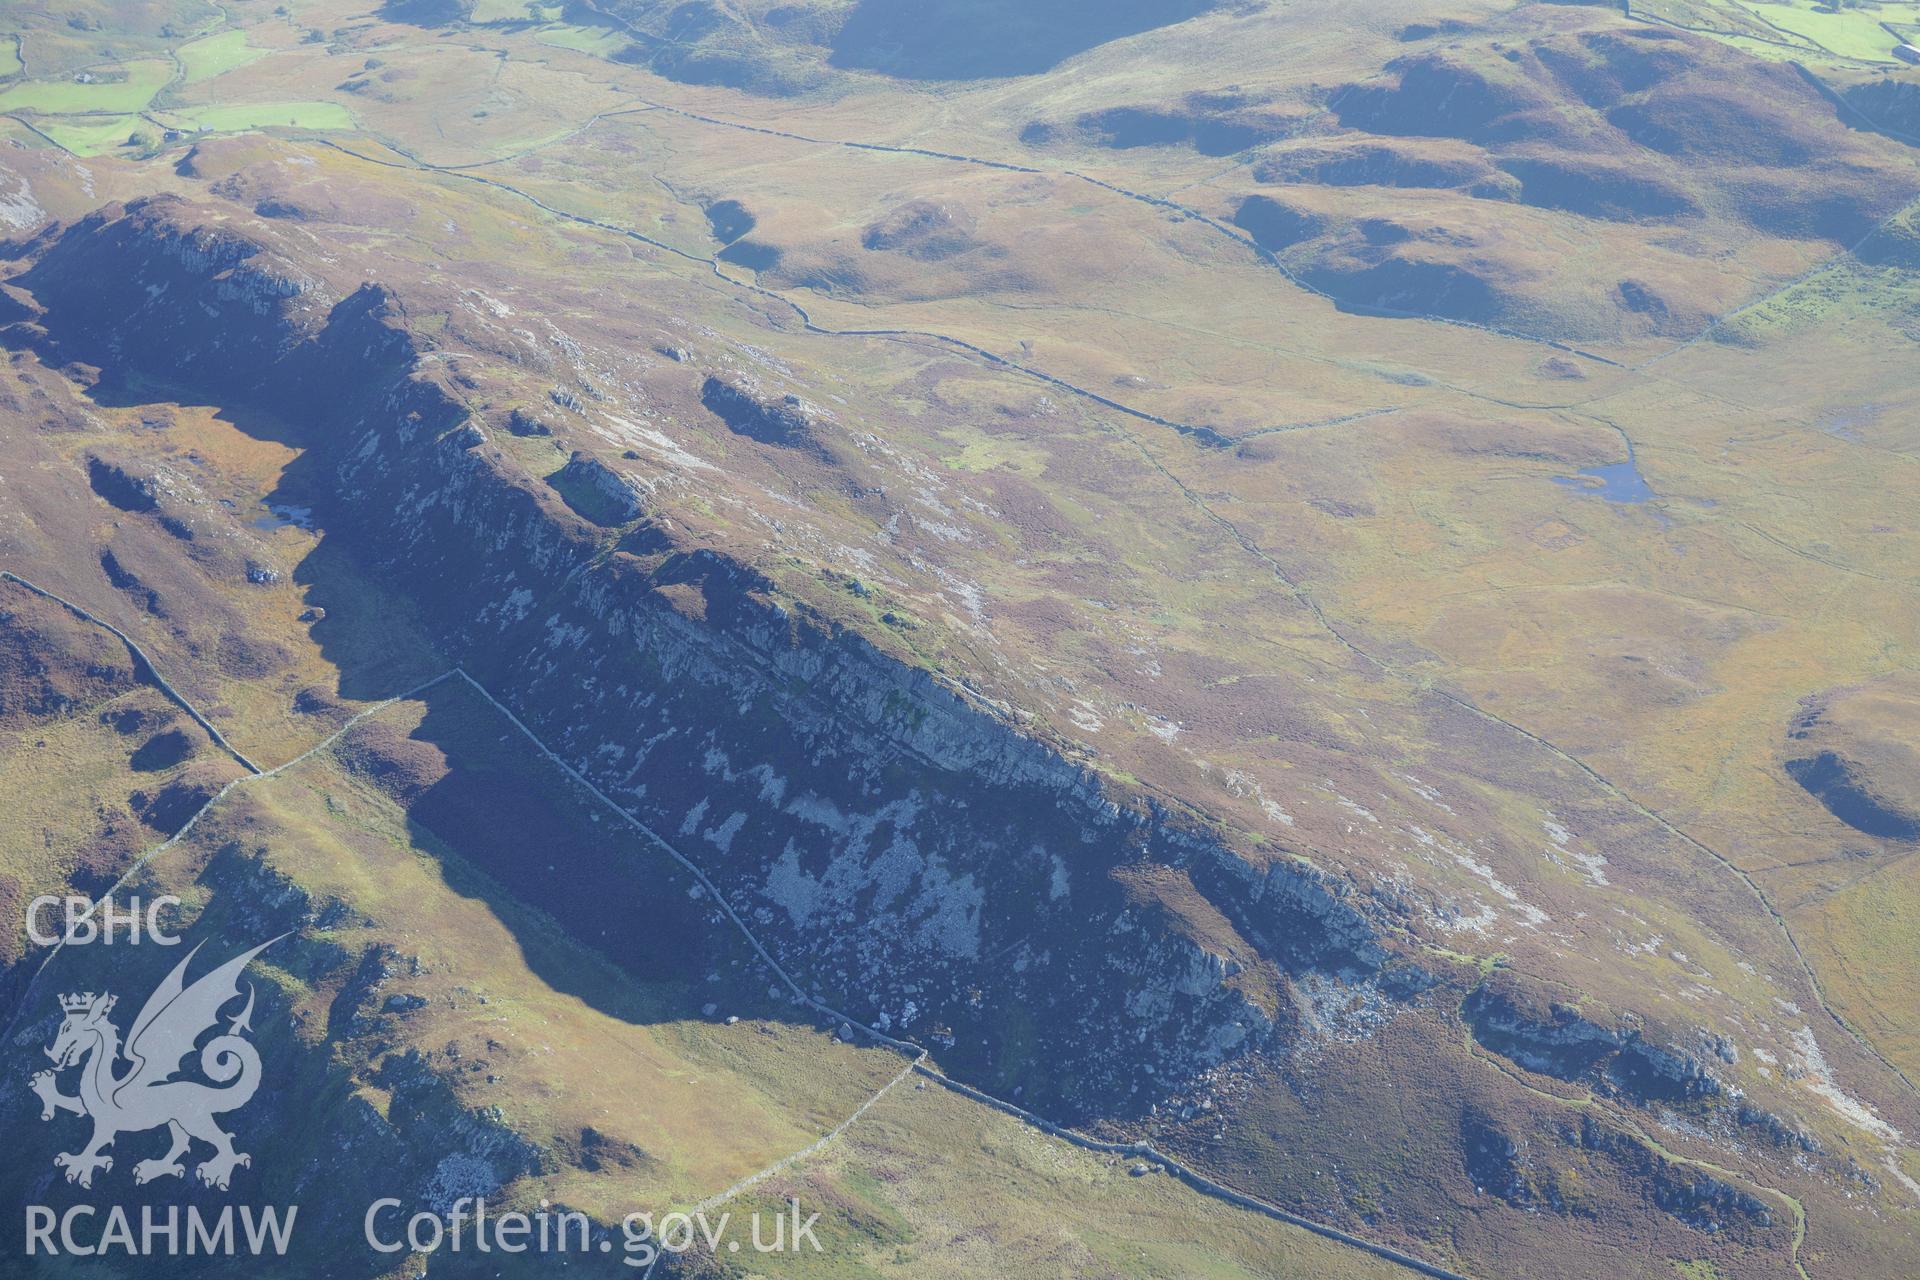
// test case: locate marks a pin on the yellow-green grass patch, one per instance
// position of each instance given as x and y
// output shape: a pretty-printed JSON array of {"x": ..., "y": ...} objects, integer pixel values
[
  {"x": 595, "y": 40},
  {"x": 90, "y": 136},
  {"x": 1848, "y": 32},
  {"x": 338, "y": 640},
  {"x": 123, "y": 87},
  {"x": 1862, "y": 934},
  {"x": 242, "y": 116},
  {"x": 215, "y": 55},
  {"x": 929, "y": 1185},
  {"x": 485, "y": 11}
]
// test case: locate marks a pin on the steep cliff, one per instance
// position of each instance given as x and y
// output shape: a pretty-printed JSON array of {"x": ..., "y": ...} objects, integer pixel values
[
  {"x": 915, "y": 856},
  {"x": 914, "y": 852}
]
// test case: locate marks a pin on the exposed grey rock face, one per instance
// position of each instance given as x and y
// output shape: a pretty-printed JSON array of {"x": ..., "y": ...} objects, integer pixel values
[
  {"x": 1562, "y": 1042},
  {"x": 604, "y": 495},
  {"x": 746, "y": 412},
  {"x": 904, "y": 848},
  {"x": 911, "y": 854},
  {"x": 1695, "y": 1198},
  {"x": 522, "y": 423},
  {"x": 120, "y": 486},
  {"x": 1496, "y": 1163}
]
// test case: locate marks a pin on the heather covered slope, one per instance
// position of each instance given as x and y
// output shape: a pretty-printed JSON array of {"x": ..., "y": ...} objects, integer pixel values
[{"x": 1384, "y": 727}]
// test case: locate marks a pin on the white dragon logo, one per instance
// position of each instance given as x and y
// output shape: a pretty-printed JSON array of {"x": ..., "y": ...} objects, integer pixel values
[{"x": 146, "y": 1096}]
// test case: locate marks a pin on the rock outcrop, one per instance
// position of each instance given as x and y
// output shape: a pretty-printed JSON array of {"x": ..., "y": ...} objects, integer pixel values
[{"x": 908, "y": 852}]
